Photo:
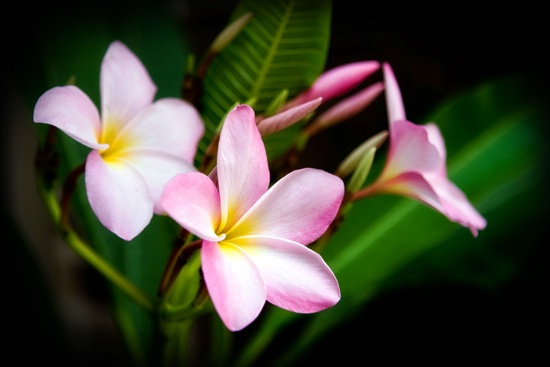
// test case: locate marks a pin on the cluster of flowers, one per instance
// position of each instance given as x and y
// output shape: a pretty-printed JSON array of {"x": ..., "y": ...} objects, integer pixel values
[{"x": 254, "y": 237}]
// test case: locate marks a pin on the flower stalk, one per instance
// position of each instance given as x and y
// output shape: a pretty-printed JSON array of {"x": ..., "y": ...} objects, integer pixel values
[{"x": 78, "y": 245}]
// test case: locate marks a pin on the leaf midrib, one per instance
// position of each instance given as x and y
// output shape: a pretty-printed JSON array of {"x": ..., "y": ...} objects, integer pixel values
[{"x": 271, "y": 54}]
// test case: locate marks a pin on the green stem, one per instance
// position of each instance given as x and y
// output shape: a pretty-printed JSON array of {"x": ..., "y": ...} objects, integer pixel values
[
  {"x": 180, "y": 256},
  {"x": 88, "y": 254}
]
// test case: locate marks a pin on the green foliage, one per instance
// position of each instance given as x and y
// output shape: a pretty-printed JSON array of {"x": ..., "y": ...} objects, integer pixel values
[
  {"x": 283, "y": 47},
  {"x": 500, "y": 160}
]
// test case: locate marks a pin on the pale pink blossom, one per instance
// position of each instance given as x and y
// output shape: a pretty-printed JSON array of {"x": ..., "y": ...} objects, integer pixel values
[
  {"x": 254, "y": 237},
  {"x": 416, "y": 164},
  {"x": 137, "y": 144}
]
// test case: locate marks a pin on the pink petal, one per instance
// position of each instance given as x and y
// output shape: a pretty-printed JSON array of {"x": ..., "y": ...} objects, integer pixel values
[
  {"x": 456, "y": 206},
  {"x": 413, "y": 185},
  {"x": 394, "y": 102},
  {"x": 337, "y": 81},
  {"x": 234, "y": 284},
  {"x": 126, "y": 87},
  {"x": 192, "y": 200},
  {"x": 299, "y": 207},
  {"x": 73, "y": 112},
  {"x": 243, "y": 172},
  {"x": 118, "y": 196},
  {"x": 297, "y": 279},
  {"x": 410, "y": 150},
  {"x": 288, "y": 117},
  {"x": 436, "y": 192},
  {"x": 436, "y": 139}
]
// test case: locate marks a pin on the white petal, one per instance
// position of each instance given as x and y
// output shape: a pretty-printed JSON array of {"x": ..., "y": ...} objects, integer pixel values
[
  {"x": 171, "y": 126},
  {"x": 126, "y": 87},
  {"x": 299, "y": 207},
  {"x": 157, "y": 169},
  {"x": 118, "y": 196},
  {"x": 297, "y": 278},
  {"x": 73, "y": 112}
]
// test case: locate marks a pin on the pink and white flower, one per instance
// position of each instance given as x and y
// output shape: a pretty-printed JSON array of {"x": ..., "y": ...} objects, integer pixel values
[
  {"x": 254, "y": 237},
  {"x": 416, "y": 165},
  {"x": 137, "y": 144}
]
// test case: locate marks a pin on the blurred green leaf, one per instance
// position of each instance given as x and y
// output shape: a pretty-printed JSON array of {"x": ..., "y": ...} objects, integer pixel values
[
  {"x": 283, "y": 47},
  {"x": 495, "y": 153}
]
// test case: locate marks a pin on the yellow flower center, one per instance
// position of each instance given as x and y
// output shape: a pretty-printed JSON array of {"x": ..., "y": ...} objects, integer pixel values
[{"x": 117, "y": 142}]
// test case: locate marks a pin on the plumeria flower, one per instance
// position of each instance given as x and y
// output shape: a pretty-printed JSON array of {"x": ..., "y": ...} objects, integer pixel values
[
  {"x": 254, "y": 237},
  {"x": 137, "y": 144},
  {"x": 416, "y": 165}
]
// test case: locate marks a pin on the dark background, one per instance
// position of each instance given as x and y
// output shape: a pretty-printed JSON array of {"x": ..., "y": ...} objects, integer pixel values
[{"x": 436, "y": 50}]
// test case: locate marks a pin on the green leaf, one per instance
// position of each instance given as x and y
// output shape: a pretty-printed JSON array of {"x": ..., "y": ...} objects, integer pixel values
[
  {"x": 495, "y": 153},
  {"x": 284, "y": 46}
]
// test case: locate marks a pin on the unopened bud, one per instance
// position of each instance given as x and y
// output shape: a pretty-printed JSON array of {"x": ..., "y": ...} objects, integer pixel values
[
  {"x": 288, "y": 117},
  {"x": 350, "y": 163},
  {"x": 361, "y": 171}
]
